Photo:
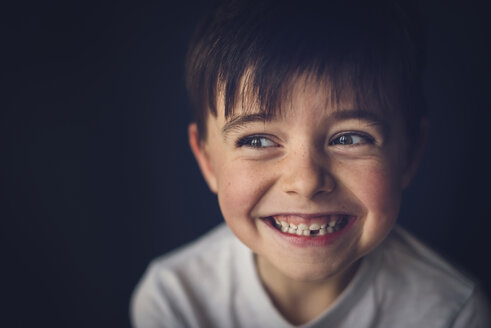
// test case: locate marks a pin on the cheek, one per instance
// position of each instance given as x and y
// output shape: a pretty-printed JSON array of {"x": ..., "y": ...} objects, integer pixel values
[
  {"x": 377, "y": 187},
  {"x": 240, "y": 187},
  {"x": 379, "y": 191}
]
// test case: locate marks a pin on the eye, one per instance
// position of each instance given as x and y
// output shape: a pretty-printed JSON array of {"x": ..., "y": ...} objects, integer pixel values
[
  {"x": 351, "y": 138},
  {"x": 256, "y": 142}
]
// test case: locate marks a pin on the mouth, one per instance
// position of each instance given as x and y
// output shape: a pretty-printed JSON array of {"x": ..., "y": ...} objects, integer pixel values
[{"x": 309, "y": 227}]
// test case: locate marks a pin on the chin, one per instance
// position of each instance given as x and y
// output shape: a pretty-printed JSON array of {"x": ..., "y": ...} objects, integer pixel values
[{"x": 319, "y": 272}]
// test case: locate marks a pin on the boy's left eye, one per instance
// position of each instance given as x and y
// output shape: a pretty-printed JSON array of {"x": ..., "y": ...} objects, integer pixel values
[
  {"x": 256, "y": 142},
  {"x": 351, "y": 139}
]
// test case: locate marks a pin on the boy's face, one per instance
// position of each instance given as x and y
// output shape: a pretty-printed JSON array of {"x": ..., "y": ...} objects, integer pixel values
[{"x": 338, "y": 171}]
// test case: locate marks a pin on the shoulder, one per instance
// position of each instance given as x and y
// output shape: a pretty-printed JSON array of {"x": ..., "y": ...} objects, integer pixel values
[
  {"x": 405, "y": 257},
  {"x": 204, "y": 252},
  {"x": 176, "y": 287},
  {"x": 418, "y": 284}
]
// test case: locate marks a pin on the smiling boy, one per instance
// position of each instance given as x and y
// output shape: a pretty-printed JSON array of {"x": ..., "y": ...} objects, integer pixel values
[{"x": 309, "y": 123}]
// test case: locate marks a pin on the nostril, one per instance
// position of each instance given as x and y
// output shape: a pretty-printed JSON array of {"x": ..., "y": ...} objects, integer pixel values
[
  {"x": 306, "y": 174},
  {"x": 309, "y": 184}
]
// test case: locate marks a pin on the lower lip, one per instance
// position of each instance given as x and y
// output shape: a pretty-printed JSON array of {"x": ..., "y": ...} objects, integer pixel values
[{"x": 306, "y": 241}]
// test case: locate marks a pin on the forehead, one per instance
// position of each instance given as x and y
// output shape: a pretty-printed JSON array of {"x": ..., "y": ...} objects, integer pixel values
[{"x": 303, "y": 95}]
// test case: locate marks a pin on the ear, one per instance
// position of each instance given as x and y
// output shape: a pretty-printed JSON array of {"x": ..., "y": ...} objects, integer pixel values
[
  {"x": 200, "y": 152},
  {"x": 416, "y": 154}
]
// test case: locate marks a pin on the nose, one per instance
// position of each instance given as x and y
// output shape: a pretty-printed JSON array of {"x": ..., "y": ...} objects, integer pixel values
[{"x": 306, "y": 174}]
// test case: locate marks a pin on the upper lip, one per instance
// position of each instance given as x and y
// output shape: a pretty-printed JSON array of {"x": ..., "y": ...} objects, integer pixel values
[{"x": 309, "y": 215}]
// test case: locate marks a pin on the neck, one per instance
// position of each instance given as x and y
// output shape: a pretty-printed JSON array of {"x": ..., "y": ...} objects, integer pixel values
[{"x": 302, "y": 301}]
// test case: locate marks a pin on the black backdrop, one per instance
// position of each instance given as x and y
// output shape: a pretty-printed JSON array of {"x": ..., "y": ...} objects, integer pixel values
[{"x": 97, "y": 178}]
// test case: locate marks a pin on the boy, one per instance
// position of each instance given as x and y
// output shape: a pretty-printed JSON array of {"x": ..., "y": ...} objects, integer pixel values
[{"x": 309, "y": 123}]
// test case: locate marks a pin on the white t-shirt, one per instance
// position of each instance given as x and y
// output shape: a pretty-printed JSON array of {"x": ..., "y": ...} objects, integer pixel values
[{"x": 213, "y": 282}]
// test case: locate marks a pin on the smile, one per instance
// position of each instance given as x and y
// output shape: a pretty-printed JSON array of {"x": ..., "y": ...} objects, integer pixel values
[{"x": 319, "y": 226}]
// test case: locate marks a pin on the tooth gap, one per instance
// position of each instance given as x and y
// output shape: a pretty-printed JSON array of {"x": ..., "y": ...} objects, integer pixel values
[{"x": 340, "y": 224}]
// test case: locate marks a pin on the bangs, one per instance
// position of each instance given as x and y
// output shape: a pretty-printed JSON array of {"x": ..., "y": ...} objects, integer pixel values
[
  {"x": 250, "y": 54},
  {"x": 264, "y": 91}
]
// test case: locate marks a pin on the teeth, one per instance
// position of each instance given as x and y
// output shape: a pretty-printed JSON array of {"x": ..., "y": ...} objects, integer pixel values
[
  {"x": 303, "y": 226},
  {"x": 335, "y": 223}
]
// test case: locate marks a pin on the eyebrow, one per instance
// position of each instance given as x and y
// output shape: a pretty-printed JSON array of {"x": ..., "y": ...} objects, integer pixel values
[
  {"x": 339, "y": 115},
  {"x": 240, "y": 120},
  {"x": 365, "y": 115},
  {"x": 357, "y": 114}
]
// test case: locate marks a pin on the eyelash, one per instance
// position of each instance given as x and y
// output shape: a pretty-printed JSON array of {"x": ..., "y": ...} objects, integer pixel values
[
  {"x": 366, "y": 139},
  {"x": 248, "y": 142}
]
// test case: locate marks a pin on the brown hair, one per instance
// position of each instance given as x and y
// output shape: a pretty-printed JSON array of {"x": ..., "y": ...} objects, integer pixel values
[{"x": 374, "y": 47}]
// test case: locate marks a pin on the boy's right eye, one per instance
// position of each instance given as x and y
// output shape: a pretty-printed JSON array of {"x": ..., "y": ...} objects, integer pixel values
[{"x": 256, "y": 141}]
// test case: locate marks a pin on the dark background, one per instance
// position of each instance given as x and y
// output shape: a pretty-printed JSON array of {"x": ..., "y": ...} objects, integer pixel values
[{"x": 97, "y": 178}]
